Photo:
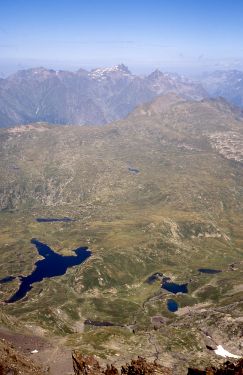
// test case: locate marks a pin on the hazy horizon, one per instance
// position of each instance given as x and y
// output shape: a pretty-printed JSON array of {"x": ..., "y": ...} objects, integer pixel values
[
  {"x": 11, "y": 66},
  {"x": 181, "y": 36}
]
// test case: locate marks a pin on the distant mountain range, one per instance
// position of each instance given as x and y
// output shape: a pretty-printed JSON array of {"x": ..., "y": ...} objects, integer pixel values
[
  {"x": 96, "y": 97},
  {"x": 101, "y": 95},
  {"x": 225, "y": 83}
]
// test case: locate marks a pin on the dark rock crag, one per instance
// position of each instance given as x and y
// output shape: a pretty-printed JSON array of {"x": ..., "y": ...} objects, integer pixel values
[
  {"x": 88, "y": 365},
  {"x": 228, "y": 368}
]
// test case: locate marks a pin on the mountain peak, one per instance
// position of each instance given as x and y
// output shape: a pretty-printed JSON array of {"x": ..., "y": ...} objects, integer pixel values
[
  {"x": 123, "y": 68},
  {"x": 155, "y": 74},
  {"x": 82, "y": 72}
]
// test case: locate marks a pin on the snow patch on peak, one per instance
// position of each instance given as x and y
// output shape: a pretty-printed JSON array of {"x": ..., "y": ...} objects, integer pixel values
[{"x": 103, "y": 73}]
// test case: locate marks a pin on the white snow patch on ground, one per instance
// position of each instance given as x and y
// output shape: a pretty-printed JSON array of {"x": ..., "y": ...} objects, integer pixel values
[
  {"x": 224, "y": 353},
  {"x": 34, "y": 351}
]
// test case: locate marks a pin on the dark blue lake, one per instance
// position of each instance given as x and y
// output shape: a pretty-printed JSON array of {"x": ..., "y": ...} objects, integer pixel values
[
  {"x": 52, "y": 265},
  {"x": 172, "y": 305},
  {"x": 208, "y": 270},
  {"x": 173, "y": 287},
  {"x": 53, "y": 220}
]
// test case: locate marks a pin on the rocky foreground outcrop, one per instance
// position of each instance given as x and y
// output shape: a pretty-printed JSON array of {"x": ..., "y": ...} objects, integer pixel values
[
  {"x": 12, "y": 362},
  {"x": 227, "y": 369},
  {"x": 88, "y": 365}
]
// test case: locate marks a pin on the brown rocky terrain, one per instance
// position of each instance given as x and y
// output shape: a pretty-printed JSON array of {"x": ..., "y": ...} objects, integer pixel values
[
  {"x": 228, "y": 144},
  {"x": 88, "y": 365},
  {"x": 12, "y": 362}
]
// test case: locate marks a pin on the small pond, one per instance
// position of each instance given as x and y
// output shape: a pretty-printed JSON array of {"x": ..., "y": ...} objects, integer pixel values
[
  {"x": 172, "y": 305},
  {"x": 97, "y": 323},
  {"x": 208, "y": 270},
  {"x": 133, "y": 170},
  {"x": 173, "y": 287},
  {"x": 7, "y": 279},
  {"x": 53, "y": 220}
]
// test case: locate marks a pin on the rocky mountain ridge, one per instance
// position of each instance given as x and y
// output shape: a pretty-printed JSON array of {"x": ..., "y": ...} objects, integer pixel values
[
  {"x": 178, "y": 122},
  {"x": 96, "y": 97}
]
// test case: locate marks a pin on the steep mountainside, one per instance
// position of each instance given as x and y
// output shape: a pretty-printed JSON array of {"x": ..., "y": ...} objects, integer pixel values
[
  {"x": 159, "y": 202},
  {"x": 228, "y": 84},
  {"x": 95, "y": 97}
]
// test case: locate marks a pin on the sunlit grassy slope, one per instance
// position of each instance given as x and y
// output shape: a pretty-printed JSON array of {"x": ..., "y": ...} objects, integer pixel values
[{"x": 181, "y": 212}]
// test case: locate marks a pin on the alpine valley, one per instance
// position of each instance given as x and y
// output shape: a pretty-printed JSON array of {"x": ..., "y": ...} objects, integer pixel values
[{"x": 151, "y": 202}]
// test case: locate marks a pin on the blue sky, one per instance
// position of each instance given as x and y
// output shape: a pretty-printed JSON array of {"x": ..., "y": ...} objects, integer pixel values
[{"x": 176, "y": 34}]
